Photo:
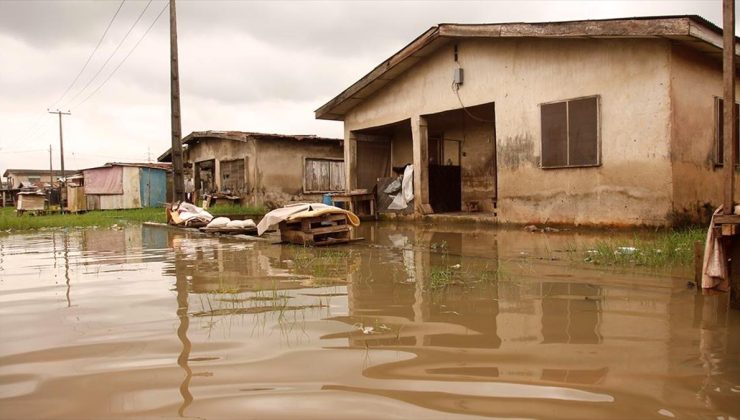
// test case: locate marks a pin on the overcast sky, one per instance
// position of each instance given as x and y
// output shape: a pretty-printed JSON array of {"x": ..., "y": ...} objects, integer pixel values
[{"x": 244, "y": 65}]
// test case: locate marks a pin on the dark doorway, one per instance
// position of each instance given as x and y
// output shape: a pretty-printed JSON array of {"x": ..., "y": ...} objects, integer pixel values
[
  {"x": 445, "y": 195},
  {"x": 462, "y": 159}
]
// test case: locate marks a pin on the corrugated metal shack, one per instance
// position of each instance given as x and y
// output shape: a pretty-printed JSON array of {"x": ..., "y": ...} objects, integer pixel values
[{"x": 126, "y": 185}]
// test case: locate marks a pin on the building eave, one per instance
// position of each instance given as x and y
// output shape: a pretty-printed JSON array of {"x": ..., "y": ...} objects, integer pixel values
[{"x": 692, "y": 31}]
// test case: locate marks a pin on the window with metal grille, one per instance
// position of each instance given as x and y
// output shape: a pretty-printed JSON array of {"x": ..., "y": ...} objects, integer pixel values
[
  {"x": 719, "y": 132},
  {"x": 570, "y": 133},
  {"x": 323, "y": 175},
  {"x": 233, "y": 177}
]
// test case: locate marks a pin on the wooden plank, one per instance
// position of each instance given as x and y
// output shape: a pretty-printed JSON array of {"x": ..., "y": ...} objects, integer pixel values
[
  {"x": 698, "y": 262},
  {"x": 727, "y": 218},
  {"x": 330, "y": 229}
]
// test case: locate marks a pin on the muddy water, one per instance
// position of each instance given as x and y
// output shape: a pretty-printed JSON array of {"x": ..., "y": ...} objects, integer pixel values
[{"x": 414, "y": 322}]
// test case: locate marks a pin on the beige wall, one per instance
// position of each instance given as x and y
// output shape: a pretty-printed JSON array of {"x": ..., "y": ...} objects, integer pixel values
[
  {"x": 634, "y": 183},
  {"x": 274, "y": 168},
  {"x": 697, "y": 183},
  {"x": 280, "y": 169}
]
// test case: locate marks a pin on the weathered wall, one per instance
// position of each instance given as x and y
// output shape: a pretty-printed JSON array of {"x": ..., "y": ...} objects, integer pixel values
[
  {"x": 131, "y": 197},
  {"x": 401, "y": 146},
  {"x": 274, "y": 168},
  {"x": 279, "y": 175},
  {"x": 633, "y": 185},
  {"x": 697, "y": 182},
  {"x": 224, "y": 150}
]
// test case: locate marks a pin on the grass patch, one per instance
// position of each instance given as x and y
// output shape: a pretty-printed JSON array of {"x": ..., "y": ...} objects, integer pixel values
[
  {"x": 10, "y": 221},
  {"x": 228, "y": 210},
  {"x": 666, "y": 249},
  {"x": 440, "y": 278}
]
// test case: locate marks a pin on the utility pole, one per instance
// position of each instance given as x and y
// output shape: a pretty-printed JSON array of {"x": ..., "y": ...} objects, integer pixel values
[
  {"x": 61, "y": 137},
  {"x": 51, "y": 170},
  {"x": 61, "y": 148},
  {"x": 728, "y": 117},
  {"x": 177, "y": 178}
]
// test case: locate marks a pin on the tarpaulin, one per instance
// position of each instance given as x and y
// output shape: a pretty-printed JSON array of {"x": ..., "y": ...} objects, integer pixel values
[{"x": 107, "y": 180}]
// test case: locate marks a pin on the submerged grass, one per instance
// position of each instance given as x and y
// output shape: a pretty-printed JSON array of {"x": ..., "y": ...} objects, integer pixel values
[{"x": 669, "y": 248}]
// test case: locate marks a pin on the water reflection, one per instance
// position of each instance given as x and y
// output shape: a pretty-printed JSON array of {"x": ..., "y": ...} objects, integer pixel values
[{"x": 422, "y": 321}]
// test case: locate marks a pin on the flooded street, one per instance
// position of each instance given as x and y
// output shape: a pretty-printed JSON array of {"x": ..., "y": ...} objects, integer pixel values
[{"x": 414, "y": 322}]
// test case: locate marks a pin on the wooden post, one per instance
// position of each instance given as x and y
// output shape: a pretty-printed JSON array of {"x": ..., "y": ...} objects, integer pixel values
[
  {"x": 350, "y": 161},
  {"x": 728, "y": 117},
  {"x": 420, "y": 137},
  {"x": 51, "y": 170},
  {"x": 698, "y": 263},
  {"x": 177, "y": 172}
]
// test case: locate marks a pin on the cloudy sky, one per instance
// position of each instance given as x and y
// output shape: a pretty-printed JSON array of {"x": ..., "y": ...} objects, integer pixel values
[{"x": 244, "y": 65}]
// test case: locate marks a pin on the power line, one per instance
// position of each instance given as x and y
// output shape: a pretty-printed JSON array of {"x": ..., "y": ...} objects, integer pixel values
[
  {"x": 120, "y": 43},
  {"x": 33, "y": 130},
  {"x": 100, "y": 41},
  {"x": 124, "y": 58}
]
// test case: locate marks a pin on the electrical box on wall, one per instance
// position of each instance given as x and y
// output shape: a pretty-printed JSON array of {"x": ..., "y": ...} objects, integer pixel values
[{"x": 458, "y": 76}]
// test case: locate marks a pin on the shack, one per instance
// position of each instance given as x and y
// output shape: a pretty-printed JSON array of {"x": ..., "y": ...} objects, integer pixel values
[
  {"x": 125, "y": 186},
  {"x": 597, "y": 122},
  {"x": 262, "y": 169},
  {"x": 16, "y": 177}
]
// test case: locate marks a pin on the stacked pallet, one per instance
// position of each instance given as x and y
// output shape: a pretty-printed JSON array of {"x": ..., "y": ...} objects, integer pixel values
[{"x": 326, "y": 229}]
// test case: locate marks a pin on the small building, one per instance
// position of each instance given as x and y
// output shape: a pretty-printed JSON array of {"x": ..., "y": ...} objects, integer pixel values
[
  {"x": 597, "y": 122},
  {"x": 262, "y": 169},
  {"x": 16, "y": 177},
  {"x": 125, "y": 186}
]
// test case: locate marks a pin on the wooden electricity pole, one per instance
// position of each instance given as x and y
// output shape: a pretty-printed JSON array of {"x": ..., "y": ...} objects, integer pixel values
[
  {"x": 177, "y": 178},
  {"x": 729, "y": 117},
  {"x": 51, "y": 170},
  {"x": 61, "y": 153},
  {"x": 61, "y": 137}
]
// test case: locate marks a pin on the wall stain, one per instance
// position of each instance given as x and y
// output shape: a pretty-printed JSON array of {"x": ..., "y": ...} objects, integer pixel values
[{"x": 517, "y": 151}]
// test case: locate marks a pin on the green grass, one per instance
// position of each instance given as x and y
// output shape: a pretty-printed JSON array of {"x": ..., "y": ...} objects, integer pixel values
[
  {"x": 440, "y": 278},
  {"x": 237, "y": 210},
  {"x": 669, "y": 248},
  {"x": 9, "y": 220}
]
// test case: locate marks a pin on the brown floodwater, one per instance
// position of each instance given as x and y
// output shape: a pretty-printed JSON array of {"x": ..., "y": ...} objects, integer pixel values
[{"x": 416, "y": 321}]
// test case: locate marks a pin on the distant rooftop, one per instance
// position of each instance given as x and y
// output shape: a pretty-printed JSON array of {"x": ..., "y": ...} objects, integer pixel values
[
  {"x": 39, "y": 172},
  {"x": 195, "y": 136}
]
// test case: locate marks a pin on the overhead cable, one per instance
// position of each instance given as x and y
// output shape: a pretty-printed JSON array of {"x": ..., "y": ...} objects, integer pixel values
[
  {"x": 124, "y": 58},
  {"x": 120, "y": 43},
  {"x": 89, "y": 58}
]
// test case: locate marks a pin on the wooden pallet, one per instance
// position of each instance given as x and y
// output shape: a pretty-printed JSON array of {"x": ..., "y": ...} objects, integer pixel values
[
  {"x": 230, "y": 230},
  {"x": 328, "y": 229}
]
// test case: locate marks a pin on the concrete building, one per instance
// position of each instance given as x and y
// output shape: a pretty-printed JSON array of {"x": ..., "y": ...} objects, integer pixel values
[
  {"x": 126, "y": 186},
  {"x": 270, "y": 169},
  {"x": 603, "y": 122}
]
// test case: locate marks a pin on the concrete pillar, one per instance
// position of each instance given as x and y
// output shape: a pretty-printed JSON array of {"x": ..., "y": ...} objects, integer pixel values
[
  {"x": 350, "y": 161},
  {"x": 420, "y": 137},
  {"x": 217, "y": 174}
]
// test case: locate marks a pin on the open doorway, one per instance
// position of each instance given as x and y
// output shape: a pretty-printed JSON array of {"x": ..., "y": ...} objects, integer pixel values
[
  {"x": 205, "y": 174},
  {"x": 462, "y": 159}
]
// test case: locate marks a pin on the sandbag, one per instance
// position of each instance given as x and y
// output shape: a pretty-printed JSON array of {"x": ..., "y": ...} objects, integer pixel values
[{"x": 218, "y": 222}]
